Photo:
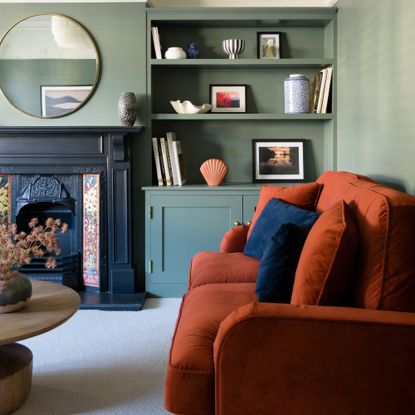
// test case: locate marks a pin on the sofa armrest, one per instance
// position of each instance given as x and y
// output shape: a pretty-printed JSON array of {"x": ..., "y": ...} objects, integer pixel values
[
  {"x": 279, "y": 358},
  {"x": 235, "y": 239}
]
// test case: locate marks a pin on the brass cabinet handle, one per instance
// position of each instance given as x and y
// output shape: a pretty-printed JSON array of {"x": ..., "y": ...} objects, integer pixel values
[
  {"x": 249, "y": 223},
  {"x": 236, "y": 223}
]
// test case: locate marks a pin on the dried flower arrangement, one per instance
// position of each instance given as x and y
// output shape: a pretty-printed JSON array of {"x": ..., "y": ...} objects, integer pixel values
[{"x": 18, "y": 248}]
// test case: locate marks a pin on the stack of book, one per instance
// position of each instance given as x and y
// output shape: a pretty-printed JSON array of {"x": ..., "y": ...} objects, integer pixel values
[
  {"x": 168, "y": 159},
  {"x": 156, "y": 42},
  {"x": 321, "y": 90}
]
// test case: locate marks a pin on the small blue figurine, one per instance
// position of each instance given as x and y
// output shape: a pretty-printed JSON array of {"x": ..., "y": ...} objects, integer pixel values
[{"x": 192, "y": 50}]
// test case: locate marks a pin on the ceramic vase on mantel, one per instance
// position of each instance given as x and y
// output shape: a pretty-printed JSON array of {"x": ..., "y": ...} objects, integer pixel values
[
  {"x": 16, "y": 294},
  {"x": 127, "y": 109}
]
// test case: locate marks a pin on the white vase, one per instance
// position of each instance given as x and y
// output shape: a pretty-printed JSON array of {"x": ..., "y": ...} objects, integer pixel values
[{"x": 175, "y": 53}]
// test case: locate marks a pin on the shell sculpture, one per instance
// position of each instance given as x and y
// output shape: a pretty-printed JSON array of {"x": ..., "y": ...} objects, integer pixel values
[{"x": 213, "y": 171}]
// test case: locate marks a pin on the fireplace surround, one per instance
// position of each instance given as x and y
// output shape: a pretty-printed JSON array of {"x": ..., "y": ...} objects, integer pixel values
[{"x": 83, "y": 176}]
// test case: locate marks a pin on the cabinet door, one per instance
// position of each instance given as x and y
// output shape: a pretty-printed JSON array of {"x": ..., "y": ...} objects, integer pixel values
[
  {"x": 249, "y": 206},
  {"x": 182, "y": 226}
]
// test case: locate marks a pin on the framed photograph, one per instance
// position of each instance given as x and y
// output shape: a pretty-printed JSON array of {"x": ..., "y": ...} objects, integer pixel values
[
  {"x": 269, "y": 45},
  {"x": 59, "y": 100},
  {"x": 277, "y": 160},
  {"x": 228, "y": 98}
]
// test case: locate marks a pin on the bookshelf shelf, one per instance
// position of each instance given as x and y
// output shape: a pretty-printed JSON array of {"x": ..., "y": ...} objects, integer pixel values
[{"x": 244, "y": 117}]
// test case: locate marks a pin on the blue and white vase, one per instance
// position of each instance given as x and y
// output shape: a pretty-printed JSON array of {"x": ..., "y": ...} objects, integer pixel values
[
  {"x": 296, "y": 94},
  {"x": 192, "y": 51}
]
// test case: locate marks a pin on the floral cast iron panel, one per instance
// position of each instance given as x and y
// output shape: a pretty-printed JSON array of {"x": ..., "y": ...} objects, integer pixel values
[{"x": 91, "y": 214}]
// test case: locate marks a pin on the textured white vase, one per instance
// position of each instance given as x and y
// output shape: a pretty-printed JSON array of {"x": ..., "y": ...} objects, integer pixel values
[{"x": 175, "y": 53}]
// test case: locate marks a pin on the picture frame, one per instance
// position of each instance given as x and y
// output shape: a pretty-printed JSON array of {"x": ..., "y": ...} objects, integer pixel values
[
  {"x": 58, "y": 100},
  {"x": 228, "y": 98},
  {"x": 269, "y": 45},
  {"x": 277, "y": 159}
]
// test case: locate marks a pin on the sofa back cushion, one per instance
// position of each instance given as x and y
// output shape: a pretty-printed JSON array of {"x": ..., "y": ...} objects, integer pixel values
[
  {"x": 385, "y": 222},
  {"x": 303, "y": 196},
  {"x": 332, "y": 187},
  {"x": 327, "y": 260}
]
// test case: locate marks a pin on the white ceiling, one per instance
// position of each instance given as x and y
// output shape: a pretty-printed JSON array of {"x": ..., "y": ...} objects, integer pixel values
[{"x": 199, "y": 3}]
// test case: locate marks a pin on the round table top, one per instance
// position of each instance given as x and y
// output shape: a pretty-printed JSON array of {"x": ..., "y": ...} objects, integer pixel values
[{"x": 51, "y": 305}]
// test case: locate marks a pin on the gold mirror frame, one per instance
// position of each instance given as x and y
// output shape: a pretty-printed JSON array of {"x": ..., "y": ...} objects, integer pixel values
[{"x": 97, "y": 66}]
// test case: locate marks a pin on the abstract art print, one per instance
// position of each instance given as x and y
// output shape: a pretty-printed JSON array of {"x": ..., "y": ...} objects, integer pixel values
[
  {"x": 277, "y": 160},
  {"x": 228, "y": 98},
  {"x": 60, "y": 100}
]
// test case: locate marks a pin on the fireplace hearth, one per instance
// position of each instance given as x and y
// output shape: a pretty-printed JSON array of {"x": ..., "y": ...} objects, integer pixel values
[{"x": 81, "y": 175}]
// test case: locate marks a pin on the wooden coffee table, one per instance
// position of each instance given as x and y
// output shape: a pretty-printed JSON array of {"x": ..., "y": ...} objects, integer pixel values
[{"x": 51, "y": 305}]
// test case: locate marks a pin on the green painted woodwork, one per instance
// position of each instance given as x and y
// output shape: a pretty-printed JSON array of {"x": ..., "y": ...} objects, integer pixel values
[
  {"x": 25, "y": 92},
  {"x": 376, "y": 90},
  {"x": 183, "y": 221},
  {"x": 307, "y": 43}
]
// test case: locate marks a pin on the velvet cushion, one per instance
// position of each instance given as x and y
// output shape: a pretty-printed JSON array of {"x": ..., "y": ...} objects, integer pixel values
[
  {"x": 278, "y": 264},
  {"x": 326, "y": 264},
  {"x": 274, "y": 214},
  {"x": 302, "y": 195}
]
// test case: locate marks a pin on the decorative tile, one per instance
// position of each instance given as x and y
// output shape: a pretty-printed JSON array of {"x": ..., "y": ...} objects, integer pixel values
[
  {"x": 91, "y": 234},
  {"x": 5, "y": 198}
]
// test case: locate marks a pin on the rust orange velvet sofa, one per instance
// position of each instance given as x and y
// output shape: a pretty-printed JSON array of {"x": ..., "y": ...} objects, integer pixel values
[{"x": 232, "y": 355}]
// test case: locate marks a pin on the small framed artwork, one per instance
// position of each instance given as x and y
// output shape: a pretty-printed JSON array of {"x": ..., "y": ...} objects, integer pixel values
[
  {"x": 60, "y": 100},
  {"x": 269, "y": 45},
  {"x": 228, "y": 98},
  {"x": 277, "y": 160}
]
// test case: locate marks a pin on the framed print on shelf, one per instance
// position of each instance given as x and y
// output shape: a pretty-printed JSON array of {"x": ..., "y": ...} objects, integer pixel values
[
  {"x": 59, "y": 100},
  {"x": 228, "y": 98},
  {"x": 269, "y": 45},
  {"x": 277, "y": 160}
]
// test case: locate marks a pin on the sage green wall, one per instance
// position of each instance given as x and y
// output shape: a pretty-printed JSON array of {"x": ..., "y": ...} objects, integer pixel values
[
  {"x": 376, "y": 90},
  {"x": 119, "y": 32}
]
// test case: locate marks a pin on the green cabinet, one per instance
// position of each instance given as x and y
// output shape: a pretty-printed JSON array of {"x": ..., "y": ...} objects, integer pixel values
[{"x": 183, "y": 221}]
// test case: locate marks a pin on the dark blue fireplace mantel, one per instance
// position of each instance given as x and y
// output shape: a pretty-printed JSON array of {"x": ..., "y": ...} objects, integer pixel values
[{"x": 81, "y": 150}]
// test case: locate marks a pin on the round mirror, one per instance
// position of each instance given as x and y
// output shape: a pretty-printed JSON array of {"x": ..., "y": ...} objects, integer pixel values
[{"x": 49, "y": 66}]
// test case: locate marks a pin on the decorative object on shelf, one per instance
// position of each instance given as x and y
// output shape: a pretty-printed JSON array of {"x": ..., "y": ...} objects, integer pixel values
[
  {"x": 228, "y": 98},
  {"x": 192, "y": 51},
  {"x": 233, "y": 47},
  {"x": 127, "y": 109},
  {"x": 175, "y": 53},
  {"x": 186, "y": 107},
  {"x": 214, "y": 171},
  {"x": 17, "y": 249},
  {"x": 269, "y": 45},
  {"x": 277, "y": 160},
  {"x": 296, "y": 94}
]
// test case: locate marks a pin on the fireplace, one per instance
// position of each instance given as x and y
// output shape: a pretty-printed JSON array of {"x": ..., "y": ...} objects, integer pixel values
[{"x": 82, "y": 176}]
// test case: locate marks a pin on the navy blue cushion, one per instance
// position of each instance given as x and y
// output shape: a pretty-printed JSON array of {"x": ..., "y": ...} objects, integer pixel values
[
  {"x": 275, "y": 213},
  {"x": 277, "y": 268}
]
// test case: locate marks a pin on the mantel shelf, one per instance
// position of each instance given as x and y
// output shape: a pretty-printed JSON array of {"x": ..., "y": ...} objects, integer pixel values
[
  {"x": 239, "y": 116},
  {"x": 243, "y": 63},
  {"x": 71, "y": 129}
]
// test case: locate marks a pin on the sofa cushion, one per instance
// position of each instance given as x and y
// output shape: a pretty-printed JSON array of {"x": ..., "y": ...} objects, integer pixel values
[
  {"x": 385, "y": 221},
  {"x": 235, "y": 239},
  {"x": 333, "y": 183},
  {"x": 326, "y": 264},
  {"x": 303, "y": 196},
  {"x": 278, "y": 264},
  {"x": 275, "y": 213},
  {"x": 189, "y": 386},
  {"x": 220, "y": 267}
]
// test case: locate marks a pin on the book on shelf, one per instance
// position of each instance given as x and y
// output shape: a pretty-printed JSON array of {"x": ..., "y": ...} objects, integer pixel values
[
  {"x": 178, "y": 162},
  {"x": 171, "y": 138},
  {"x": 166, "y": 161},
  {"x": 156, "y": 42},
  {"x": 321, "y": 90},
  {"x": 314, "y": 92},
  {"x": 327, "y": 88},
  {"x": 157, "y": 161}
]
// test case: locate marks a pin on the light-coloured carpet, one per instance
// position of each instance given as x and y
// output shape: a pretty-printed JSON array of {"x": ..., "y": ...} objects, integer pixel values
[{"x": 103, "y": 362}]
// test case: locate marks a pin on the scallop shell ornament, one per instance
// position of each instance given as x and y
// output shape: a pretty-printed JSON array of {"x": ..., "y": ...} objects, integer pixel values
[{"x": 213, "y": 171}]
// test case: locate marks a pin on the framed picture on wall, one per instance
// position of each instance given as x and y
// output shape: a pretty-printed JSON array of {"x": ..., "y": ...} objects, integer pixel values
[
  {"x": 277, "y": 160},
  {"x": 228, "y": 98},
  {"x": 59, "y": 100},
  {"x": 269, "y": 45}
]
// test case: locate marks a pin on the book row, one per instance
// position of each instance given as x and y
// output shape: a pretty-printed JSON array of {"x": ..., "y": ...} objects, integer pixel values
[
  {"x": 320, "y": 92},
  {"x": 168, "y": 160}
]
